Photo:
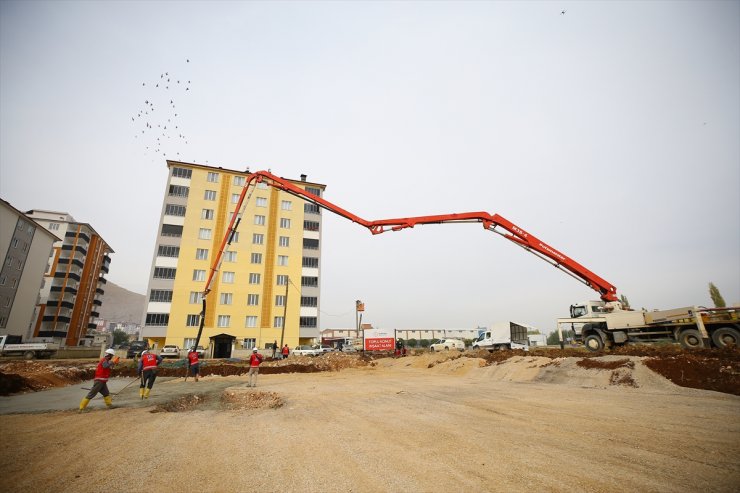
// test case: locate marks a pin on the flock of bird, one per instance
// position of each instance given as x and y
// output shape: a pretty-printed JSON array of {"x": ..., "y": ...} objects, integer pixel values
[{"x": 157, "y": 122}]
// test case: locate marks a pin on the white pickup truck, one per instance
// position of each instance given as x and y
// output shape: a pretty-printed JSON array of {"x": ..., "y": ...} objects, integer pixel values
[{"x": 28, "y": 350}]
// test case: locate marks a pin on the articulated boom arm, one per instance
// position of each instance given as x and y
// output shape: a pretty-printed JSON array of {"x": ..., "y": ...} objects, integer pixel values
[{"x": 511, "y": 232}]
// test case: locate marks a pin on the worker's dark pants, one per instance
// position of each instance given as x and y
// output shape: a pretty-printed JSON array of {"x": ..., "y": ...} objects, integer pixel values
[
  {"x": 98, "y": 386},
  {"x": 147, "y": 379}
]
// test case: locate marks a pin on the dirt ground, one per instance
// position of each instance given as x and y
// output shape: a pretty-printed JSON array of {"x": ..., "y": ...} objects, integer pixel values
[{"x": 649, "y": 419}]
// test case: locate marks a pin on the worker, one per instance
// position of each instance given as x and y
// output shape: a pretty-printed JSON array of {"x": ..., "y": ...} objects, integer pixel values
[
  {"x": 254, "y": 367},
  {"x": 100, "y": 384},
  {"x": 285, "y": 351},
  {"x": 148, "y": 372},
  {"x": 274, "y": 349},
  {"x": 194, "y": 363}
]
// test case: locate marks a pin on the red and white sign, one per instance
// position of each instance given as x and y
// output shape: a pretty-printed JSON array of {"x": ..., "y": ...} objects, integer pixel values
[{"x": 379, "y": 340}]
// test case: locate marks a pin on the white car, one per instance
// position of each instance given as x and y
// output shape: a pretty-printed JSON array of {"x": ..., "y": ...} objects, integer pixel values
[
  {"x": 170, "y": 351},
  {"x": 307, "y": 351},
  {"x": 447, "y": 344}
]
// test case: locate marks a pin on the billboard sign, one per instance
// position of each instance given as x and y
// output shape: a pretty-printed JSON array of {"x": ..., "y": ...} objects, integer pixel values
[{"x": 379, "y": 340}]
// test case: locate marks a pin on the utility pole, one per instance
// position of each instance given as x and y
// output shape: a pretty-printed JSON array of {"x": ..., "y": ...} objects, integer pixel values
[
  {"x": 285, "y": 312},
  {"x": 359, "y": 307}
]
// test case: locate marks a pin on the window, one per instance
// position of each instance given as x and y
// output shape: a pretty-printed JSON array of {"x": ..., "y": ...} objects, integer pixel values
[
  {"x": 286, "y": 205},
  {"x": 2, "y": 280},
  {"x": 254, "y": 278},
  {"x": 164, "y": 273},
  {"x": 206, "y": 214},
  {"x": 310, "y": 225},
  {"x": 188, "y": 342},
  {"x": 253, "y": 299},
  {"x": 256, "y": 258},
  {"x": 259, "y": 220},
  {"x": 212, "y": 177},
  {"x": 280, "y": 300},
  {"x": 235, "y": 236},
  {"x": 174, "y": 210},
  {"x": 168, "y": 251},
  {"x": 249, "y": 343},
  {"x": 284, "y": 241},
  {"x": 15, "y": 242},
  {"x": 193, "y": 320},
  {"x": 311, "y": 262},
  {"x": 309, "y": 281},
  {"x": 209, "y": 195},
  {"x": 182, "y": 172},
  {"x": 227, "y": 278},
  {"x": 204, "y": 234},
  {"x": 201, "y": 254},
  {"x": 284, "y": 223},
  {"x": 160, "y": 295},
  {"x": 251, "y": 321},
  {"x": 282, "y": 280},
  {"x": 315, "y": 191},
  {"x": 53, "y": 226},
  {"x": 311, "y": 209},
  {"x": 178, "y": 191},
  {"x": 229, "y": 256},
  {"x": 308, "y": 322},
  {"x": 171, "y": 230},
  {"x": 199, "y": 275},
  {"x": 195, "y": 297},
  {"x": 278, "y": 322},
  {"x": 239, "y": 181},
  {"x": 309, "y": 301},
  {"x": 224, "y": 320},
  {"x": 226, "y": 298},
  {"x": 258, "y": 238},
  {"x": 310, "y": 244},
  {"x": 234, "y": 198},
  {"x": 282, "y": 260},
  {"x": 157, "y": 319},
  {"x": 261, "y": 202}
]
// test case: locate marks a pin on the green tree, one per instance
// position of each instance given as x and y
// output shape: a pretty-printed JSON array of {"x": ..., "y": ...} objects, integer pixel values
[
  {"x": 412, "y": 342},
  {"x": 119, "y": 337},
  {"x": 625, "y": 301},
  {"x": 717, "y": 299},
  {"x": 533, "y": 331},
  {"x": 553, "y": 339}
]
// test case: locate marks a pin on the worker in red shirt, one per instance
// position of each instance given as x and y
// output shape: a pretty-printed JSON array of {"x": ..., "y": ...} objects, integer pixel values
[
  {"x": 285, "y": 351},
  {"x": 194, "y": 362},
  {"x": 148, "y": 372},
  {"x": 254, "y": 367},
  {"x": 102, "y": 374}
]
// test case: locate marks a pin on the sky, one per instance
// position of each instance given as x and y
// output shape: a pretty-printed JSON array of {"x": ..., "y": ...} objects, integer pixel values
[{"x": 609, "y": 131}]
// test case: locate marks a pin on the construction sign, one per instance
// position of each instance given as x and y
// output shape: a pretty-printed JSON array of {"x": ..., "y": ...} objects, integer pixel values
[{"x": 379, "y": 340}]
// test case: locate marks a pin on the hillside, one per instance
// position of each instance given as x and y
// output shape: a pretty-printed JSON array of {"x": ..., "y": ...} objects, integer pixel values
[{"x": 122, "y": 305}]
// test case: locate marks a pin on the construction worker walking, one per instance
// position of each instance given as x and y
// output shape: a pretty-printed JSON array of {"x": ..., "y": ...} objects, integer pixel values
[
  {"x": 194, "y": 362},
  {"x": 148, "y": 372},
  {"x": 102, "y": 374},
  {"x": 254, "y": 367}
]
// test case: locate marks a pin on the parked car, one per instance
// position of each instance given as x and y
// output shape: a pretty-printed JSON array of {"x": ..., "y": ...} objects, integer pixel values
[
  {"x": 325, "y": 348},
  {"x": 447, "y": 344},
  {"x": 170, "y": 351},
  {"x": 201, "y": 352},
  {"x": 135, "y": 349},
  {"x": 307, "y": 351}
]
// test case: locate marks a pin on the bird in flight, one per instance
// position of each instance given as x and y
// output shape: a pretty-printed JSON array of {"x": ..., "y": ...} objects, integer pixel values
[{"x": 562, "y": 12}]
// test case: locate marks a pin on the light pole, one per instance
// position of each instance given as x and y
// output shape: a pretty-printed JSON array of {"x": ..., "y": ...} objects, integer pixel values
[{"x": 359, "y": 307}]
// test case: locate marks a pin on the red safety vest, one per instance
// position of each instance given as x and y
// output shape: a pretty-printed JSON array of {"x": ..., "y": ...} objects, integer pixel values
[
  {"x": 255, "y": 359},
  {"x": 149, "y": 362},
  {"x": 102, "y": 374},
  {"x": 193, "y": 357},
  {"x": 285, "y": 350}
]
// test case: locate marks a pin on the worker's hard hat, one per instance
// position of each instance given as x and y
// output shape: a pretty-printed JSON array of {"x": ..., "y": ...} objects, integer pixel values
[
  {"x": 254, "y": 350},
  {"x": 144, "y": 351},
  {"x": 192, "y": 348},
  {"x": 110, "y": 351}
]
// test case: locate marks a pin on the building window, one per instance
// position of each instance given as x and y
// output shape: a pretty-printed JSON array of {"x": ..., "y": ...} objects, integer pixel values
[
  {"x": 251, "y": 321},
  {"x": 234, "y": 198},
  {"x": 258, "y": 238},
  {"x": 164, "y": 273},
  {"x": 278, "y": 322},
  {"x": 254, "y": 278},
  {"x": 235, "y": 237},
  {"x": 286, "y": 205},
  {"x": 206, "y": 214},
  {"x": 308, "y": 322},
  {"x": 239, "y": 181},
  {"x": 227, "y": 278},
  {"x": 259, "y": 220},
  {"x": 193, "y": 320},
  {"x": 226, "y": 298},
  {"x": 315, "y": 191},
  {"x": 261, "y": 202},
  {"x": 282, "y": 280},
  {"x": 212, "y": 177},
  {"x": 311, "y": 209},
  {"x": 256, "y": 258},
  {"x": 174, "y": 210},
  {"x": 284, "y": 241},
  {"x": 3, "y": 280},
  {"x": 204, "y": 234},
  {"x": 160, "y": 295},
  {"x": 309, "y": 301},
  {"x": 53, "y": 226},
  {"x": 201, "y": 254},
  {"x": 249, "y": 343},
  {"x": 168, "y": 251},
  {"x": 157, "y": 319},
  {"x": 178, "y": 191},
  {"x": 310, "y": 244},
  {"x": 309, "y": 281},
  {"x": 209, "y": 195},
  {"x": 310, "y": 225},
  {"x": 280, "y": 300},
  {"x": 282, "y": 260},
  {"x": 224, "y": 320},
  {"x": 253, "y": 299},
  {"x": 284, "y": 223},
  {"x": 229, "y": 256},
  {"x": 199, "y": 275},
  {"x": 171, "y": 230},
  {"x": 182, "y": 172},
  {"x": 311, "y": 262},
  {"x": 195, "y": 297}
]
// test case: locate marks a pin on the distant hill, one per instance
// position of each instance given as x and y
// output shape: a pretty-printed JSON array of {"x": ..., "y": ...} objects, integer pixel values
[{"x": 122, "y": 305}]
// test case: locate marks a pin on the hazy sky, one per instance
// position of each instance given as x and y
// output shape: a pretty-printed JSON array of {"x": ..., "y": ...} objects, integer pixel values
[{"x": 610, "y": 132}]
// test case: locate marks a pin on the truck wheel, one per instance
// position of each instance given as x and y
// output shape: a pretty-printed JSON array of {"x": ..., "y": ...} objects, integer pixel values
[
  {"x": 431, "y": 349},
  {"x": 28, "y": 355},
  {"x": 726, "y": 337},
  {"x": 594, "y": 343},
  {"x": 446, "y": 348},
  {"x": 691, "y": 339}
]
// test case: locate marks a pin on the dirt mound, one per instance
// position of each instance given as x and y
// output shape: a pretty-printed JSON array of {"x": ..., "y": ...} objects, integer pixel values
[
  {"x": 24, "y": 376},
  {"x": 233, "y": 399},
  {"x": 716, "y": 369}
]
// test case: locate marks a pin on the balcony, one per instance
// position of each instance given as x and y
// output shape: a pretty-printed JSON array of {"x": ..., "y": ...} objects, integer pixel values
[
  {"x": 75, "y": 261},
  {"x": 97, "y": 303},
  {"x": 52, "y": 318},
  {"x": 68, "y": 289},
  {"x": 105, "y": 268},
  {"x": 92, "y": 326},
  {"x": 78, "y": 248},
  {"x": 95, "y": 314},
  {"x": 99, "y": 291},
  {"x": 56, "y": 303},
  {"x": 71, "y": 275},
  {"x": 73, "y": 234},
  {"x": 103, "y": 280}
]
